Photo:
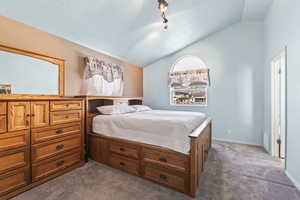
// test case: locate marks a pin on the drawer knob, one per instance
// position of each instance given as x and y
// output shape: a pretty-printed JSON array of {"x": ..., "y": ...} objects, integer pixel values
[
  {"x": 60, "y": 131},
  {"x": 164, "y": 177},
  {"x": 122, "y": 149},
  {"x": 59, "y": 147},
  {"x": 122, "y": 164},
  {"x": 163, "y": 159},
  {"x": 60, "y": 163}
]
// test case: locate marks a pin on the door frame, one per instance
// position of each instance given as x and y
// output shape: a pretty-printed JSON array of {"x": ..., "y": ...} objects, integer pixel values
[{"x": 274, "y": 151}]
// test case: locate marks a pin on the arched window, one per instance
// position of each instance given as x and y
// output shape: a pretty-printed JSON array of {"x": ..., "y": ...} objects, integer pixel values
[{"x": 188, "y": 81}]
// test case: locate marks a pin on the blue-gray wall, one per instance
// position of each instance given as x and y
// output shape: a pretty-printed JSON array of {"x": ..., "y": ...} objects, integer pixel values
[
  {"x": 282, "y": 28},
  {"x": 236, "y": 96}
]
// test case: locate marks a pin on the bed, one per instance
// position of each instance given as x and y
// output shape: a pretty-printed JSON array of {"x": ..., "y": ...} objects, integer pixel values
[
  {"x": 167, "y": 147},
  {"x": 169, "y": 129}
]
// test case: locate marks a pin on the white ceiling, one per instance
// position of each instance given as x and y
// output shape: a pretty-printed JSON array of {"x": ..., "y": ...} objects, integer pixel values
[{"x": 132, "y": 30}]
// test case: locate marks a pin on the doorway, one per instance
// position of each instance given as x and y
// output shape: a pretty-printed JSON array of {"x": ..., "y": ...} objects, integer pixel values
[{"x": 279, "y": 64}]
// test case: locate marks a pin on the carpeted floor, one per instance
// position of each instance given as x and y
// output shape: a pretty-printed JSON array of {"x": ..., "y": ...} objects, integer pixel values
[{"x": 234, "y": 171}]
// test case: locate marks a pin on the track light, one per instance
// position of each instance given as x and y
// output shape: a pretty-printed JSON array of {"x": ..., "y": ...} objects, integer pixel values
[{"x": 163, "y": 6}]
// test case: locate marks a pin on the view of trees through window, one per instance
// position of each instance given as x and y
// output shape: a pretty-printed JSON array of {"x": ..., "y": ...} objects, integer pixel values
[{"x": 188, "y": 94}]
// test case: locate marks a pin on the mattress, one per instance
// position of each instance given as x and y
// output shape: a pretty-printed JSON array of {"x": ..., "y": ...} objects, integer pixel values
[{"x": 170, "y": 129}]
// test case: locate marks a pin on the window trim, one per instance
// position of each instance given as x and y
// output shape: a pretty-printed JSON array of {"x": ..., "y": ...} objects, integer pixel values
[
  {"x": 171, "y": 89},
  {"x": 186, "y": 56}
]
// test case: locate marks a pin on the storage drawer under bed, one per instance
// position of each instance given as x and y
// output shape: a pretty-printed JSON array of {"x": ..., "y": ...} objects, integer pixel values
[
  {"x": 124, "y": 149},
  {"x": 125, "y": 164},
  {"x": 166, "y": 178},
  {"x": 169, "y": 160}
]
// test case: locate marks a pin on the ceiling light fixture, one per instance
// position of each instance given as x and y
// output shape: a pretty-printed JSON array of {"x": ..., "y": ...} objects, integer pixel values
[{"x": 163, "y": 6}]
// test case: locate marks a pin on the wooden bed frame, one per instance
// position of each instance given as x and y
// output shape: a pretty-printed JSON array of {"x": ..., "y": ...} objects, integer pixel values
[{"x": 161, "y": 165}]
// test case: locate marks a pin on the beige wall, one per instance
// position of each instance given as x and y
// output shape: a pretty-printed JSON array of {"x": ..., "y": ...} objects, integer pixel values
[{"x": 21, "y": 36}]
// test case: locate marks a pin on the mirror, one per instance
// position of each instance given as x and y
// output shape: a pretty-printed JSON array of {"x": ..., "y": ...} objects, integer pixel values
[{"x": 23, "y": 72}]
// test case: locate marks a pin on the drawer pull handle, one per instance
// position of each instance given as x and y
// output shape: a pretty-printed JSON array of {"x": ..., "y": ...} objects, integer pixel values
[
  {"x": 163, "y": 159},
  {"x": 122, "y": 164},
  {"x": 60, "y": 163},
  {"x": 164, "y": 177},
  {"x": 60, "y": 131},
  {"x": 122, "y": 149},
  {"x": 59, "y": 147}
]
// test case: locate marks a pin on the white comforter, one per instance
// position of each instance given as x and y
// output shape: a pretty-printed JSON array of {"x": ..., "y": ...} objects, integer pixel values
[{"x": 168, "y": 129}]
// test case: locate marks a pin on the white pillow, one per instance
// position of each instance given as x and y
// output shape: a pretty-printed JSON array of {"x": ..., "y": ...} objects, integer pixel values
[
  {"x": 140, "y": 108},
  {"x": 115, "y": 109}
]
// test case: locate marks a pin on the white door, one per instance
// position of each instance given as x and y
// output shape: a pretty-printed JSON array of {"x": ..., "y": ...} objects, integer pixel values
[{"x": 279, "y": 105}]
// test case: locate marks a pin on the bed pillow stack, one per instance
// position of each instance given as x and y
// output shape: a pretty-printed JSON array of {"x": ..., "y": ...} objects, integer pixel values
[
  {"x": 122, "y": 109},
  {"x": 115, "y": 109},
  {"x": 141, "y": 108}
]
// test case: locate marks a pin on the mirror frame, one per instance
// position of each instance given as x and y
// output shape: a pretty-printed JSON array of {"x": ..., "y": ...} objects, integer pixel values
[{"x": 57, "y": 61}]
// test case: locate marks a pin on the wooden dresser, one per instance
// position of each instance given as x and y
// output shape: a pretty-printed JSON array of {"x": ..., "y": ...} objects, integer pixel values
[{"x": 40, "y": 138}]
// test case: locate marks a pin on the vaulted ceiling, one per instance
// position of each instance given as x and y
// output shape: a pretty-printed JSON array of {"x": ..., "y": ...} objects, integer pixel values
[{"x": 132, "y": 30}]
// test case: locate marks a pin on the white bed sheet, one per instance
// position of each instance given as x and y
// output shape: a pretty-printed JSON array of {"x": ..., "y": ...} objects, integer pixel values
[{"x": 164, "y": 128}]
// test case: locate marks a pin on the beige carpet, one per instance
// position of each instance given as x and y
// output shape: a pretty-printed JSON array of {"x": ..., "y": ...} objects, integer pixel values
[{"x": 233, "y": 171}]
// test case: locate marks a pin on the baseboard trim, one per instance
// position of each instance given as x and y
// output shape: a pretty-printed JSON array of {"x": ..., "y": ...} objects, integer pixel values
[
  {"x": 297, "y": 185},
  {"x": 237, "y": 141}
]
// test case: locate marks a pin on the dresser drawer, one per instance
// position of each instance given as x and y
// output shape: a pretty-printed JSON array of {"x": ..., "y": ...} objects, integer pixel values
[
  {"x": 170, "y": 160},
  {"x": 63, "y": 117},
  {"x": 13, "y": 159},
  {"x": 55, "y": 164},
  {"x": 3, "y": 108},
  {"x": 14, "y": 180},
  {"x": 65, "y": 105},
  {"x": 14, "y": 140},
  {"x": 54, "y": 132},
  {"x": 123, "y": 149},
  {"x": 3, "y": 126},
  {"x": 125, "y": 164},
  {"x": 53, "y": 148},
  {"x": 166, "y": 178}
]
